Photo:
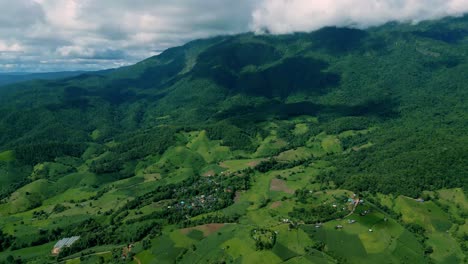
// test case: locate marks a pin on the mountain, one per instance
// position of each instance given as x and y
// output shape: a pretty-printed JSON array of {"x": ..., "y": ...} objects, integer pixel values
[
  {"x": 250, "y": 139},
  {"x": 16, "y": 77}
]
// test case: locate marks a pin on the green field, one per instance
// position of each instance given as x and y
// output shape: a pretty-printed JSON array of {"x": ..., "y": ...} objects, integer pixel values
[{"x": 7, "y": 156}]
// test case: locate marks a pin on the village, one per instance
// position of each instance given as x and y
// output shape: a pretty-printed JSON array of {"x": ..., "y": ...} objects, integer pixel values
[{"x": 350, "y": 205}]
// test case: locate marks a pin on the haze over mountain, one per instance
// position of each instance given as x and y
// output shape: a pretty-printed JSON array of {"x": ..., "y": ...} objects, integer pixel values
[{"x": 15, "y": 77}]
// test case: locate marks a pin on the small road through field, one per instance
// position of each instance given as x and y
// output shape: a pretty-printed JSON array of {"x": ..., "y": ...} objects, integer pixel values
[
  {"x": 137, "y": 260},
  {"x": 354, "y": 208}
]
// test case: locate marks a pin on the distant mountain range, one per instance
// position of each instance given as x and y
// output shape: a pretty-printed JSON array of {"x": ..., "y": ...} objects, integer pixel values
[{"x": 15, "y": 77}]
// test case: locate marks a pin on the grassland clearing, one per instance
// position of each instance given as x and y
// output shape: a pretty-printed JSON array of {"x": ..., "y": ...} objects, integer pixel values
[
  {"x": 7, "y": 156},
  {"x": 211, "y": 151},
  {"x": 275, "y": 205},
  {"x": 426, "y": 214},
  {"x": 301, "y": 153},
  {"x": 280, "y": 186},
  {"x": 207, "y": 229},
  {"x": 331, "y": 144},
  {"x": 237, "y": 165},
  {"x": 300, "y": 129},
  {"x": 41, "y": 253}
]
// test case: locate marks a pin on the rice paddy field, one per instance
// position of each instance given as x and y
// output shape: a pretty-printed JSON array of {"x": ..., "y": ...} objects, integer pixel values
[{"x": 365, "y": 233}]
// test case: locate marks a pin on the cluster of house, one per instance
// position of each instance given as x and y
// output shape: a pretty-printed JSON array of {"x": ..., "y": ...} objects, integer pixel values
[
  {"x": 199, "y": 201},
  {"x": 355, "y": 201},
  {"x": 64, "y": 242}
]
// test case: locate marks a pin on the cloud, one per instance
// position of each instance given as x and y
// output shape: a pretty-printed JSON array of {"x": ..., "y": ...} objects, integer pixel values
[
  {"x": 19, "y": 13},
  {"x": 89, "y": 34},
  {"x": 285, "y": 16},
  {"x": 90, "y": 53},
  {"x": 7, "y": 47},
  {"x": 51, "y": 35}
]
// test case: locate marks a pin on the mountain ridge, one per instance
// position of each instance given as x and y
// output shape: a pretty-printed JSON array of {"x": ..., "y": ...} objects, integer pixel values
[{"x": 244, "y": 134}]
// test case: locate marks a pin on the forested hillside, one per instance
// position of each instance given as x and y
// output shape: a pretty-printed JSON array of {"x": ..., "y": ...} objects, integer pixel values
[{"x": 380, "y": 112}]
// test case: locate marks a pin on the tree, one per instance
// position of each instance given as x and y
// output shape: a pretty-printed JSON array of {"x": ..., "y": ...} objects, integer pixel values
[
  {"x": 146, "y": 244},
  {"x": 10, "y": 259}
]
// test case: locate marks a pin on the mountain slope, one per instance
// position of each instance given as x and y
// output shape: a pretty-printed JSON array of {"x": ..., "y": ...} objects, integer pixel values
[
  {"x": 404, "y": 79},
  {"x": 380, "y": 112}
]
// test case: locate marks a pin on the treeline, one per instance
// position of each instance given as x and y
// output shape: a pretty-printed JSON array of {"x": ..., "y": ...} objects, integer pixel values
[
  {"x": 354, "y": 141},
  {"x": 132, "y": 147},
  {"x": 41, "y": 237},
  {"x": 285, "y": 132},
  {"x": 231, "y": 135},
  {"x": 273, "y": 164},
  {"x": 338, "y": 125},
  {"x": 420, "y": 164},
  {"x": 141, "y": 144},
  {"x": 321, "y": 213},
  {"x": 5, "y": 241},
  {"x": 211, "y": 219},
  {"x": 5, "y": 191},
  {"x": 32, "y": 154},
  {"x": 109, "y": 163},
  {"x": 93, "y": 233}
]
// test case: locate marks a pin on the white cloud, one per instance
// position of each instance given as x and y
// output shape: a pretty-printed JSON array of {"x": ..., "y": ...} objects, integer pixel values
[
  {"x": 92, "y": 32},
  {"x": 285, "y": 16},
  {"x": 13, "y": 47},
  {"x": 48, "y": 35}
]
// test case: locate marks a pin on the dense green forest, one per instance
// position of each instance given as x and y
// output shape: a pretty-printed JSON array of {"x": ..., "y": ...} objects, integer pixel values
[{"x": 380, "y": 112}]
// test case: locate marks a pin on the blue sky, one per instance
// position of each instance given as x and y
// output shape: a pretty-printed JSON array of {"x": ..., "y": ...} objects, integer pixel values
[{"x": 58, "y": 35}]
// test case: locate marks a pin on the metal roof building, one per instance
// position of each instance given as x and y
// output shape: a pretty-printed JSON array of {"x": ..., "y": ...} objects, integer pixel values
[{"x": 64, "y": 242}]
